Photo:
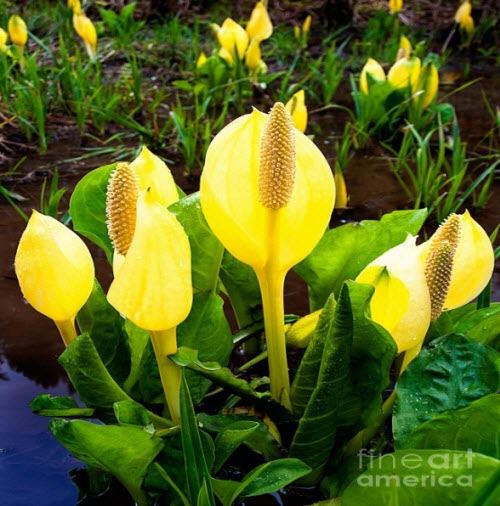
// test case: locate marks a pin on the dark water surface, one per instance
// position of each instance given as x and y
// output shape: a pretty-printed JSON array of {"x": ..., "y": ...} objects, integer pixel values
[{"x": 34, "y": 468}]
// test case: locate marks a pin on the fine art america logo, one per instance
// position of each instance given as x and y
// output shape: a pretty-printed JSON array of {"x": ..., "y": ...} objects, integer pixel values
[{"x": 436, "y": 469}]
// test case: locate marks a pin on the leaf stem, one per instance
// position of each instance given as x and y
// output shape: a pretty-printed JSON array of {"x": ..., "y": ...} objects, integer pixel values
[
  {"x": 67, "y": 330},
  {"x": 164, "y": 344}
]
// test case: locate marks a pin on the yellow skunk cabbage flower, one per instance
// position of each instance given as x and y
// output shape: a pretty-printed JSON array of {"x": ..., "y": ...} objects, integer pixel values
[
  {"x": 306, "y": 26},
  {"x": 296, "y": 106},
  {"x": 155, "y": 176},
  {"x": 428, "y": 83},
  {"x": 86, "y": 30},
  {"x": 233, "y": 38},
  {"x": 341, "y": 189},
  {"x": 259, "y": 26},
  {"x": 405, "y": 48},
  {"x": 395, "y": 6},
  {"x": 253, "y": 55},
  {"x": 471, "y": 260},
  {"x": 375, "y": 70},
  {"x": 463, "y": 11},
  {"x": 18, "y": 31},
  {"x": 401, "y": 301},
  {"x": 267, "y": 193},
  {"x": 405, "y": 72},
  {"x": 201, "y": 59},
  {"x": 55, "y": 271},
  {"x": 153, "y": 288},
  {"x": 75, "y": 6},
  {"x": 3, "y": 38}
]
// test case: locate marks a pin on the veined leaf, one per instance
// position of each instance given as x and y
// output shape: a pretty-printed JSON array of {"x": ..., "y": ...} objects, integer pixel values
[{"x": 46, "y": 405}]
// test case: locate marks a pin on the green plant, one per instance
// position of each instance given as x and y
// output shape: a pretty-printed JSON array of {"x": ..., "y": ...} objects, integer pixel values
[{"x": 122, "y": 26}]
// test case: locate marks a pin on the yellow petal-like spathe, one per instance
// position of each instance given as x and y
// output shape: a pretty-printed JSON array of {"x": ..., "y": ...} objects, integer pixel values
[
  {"x": 340, "y": 188},
  {"x": 403, "y": 263},
  {"x": 54, "y": 268},
  {"x": 405, "y": 48},
  {"x": 201, "y": 59},
  {"x": 395, "y": 6},
  {"x": 253, "y": 55},
  {"x": 18, "y": 31},
  {"x": 155, "y": 176},
  {"x": 259, "y": 26},
  {"x": 229, "y": 197},
  {"x": 429, "y": 83},
  {"x": 463, "y": 11},
  {"x": 75, "y": 6},
  {"x": 233, "y": 38},
  {"x": 375, "y": 70},
  {"x": 405, "y": 72},
  {"x": 306, "y": 26},
  {"x": 86, "y": 30},
  {"x": 472, "y": 265},
  {"x": 296, "y": 106},
  {"x": 3, "y": 38},
  {"x": 153, "y": 288},
  {"x": 467, "y": 24}
]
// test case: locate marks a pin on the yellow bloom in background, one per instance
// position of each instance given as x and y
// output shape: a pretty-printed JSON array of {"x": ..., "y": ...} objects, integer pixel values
[
  {"x": 55, "y": 271},
  {"x": 296, "y": 106},
  {"x": 405, "y": 72},
  {"x": 253, "y": 55},
  {"x": 405, "y": 48},
  {"x": 341, "y": 189},
  {"x": 86, "y": 30},
  {"x": 428, "y": 83},
  {"x": 18, "y": 31},
  {"x": 472, "y": 261},
  {"x": 155, "y": 176},
  {"x": 259, "y": 26},
  {"x": 75, "y": 6},
  {"x": 395, "y": 6},
  {"x": 306, "y": 26},
  {"x": 463, "y": 11},
  {"x": 375, "y": 70},
  {"x": 201, "y": 59},
  {"x": 233, "y": 38},
  {"x": 267, "y": 193},
  {"x": 467, "y": 24},
  {"x": 3, "y": 38},
  {"x": 401, "y": 301}
]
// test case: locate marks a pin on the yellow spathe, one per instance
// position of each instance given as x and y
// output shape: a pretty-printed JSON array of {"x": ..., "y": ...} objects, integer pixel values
[
  {"x": 473, "y": 263},
  {"x": 428, "y": 82},
  {"x": 86, "y": 30},
  {"x": 395, "y": 6},
  {"x": 18, "y": 31},
  {"x": 3, "y": 38},
  {"x": 405, "y": 72},
  {"x": 259, "y": 26},
  {"x": 401, "y": 302},
  {"x": 54, "y": 268},
  {"x": 233, "y": 38},
  {"x": 375, "y": 70},
  {"x": 229, "y": 197},
  {"x": 463, "y": 11},
  {"x": 153, "y": 288},
  {"x": 253, "y": 55},
  {"x": 155, "y": 176},
  {"x": 296, "y": 106}
]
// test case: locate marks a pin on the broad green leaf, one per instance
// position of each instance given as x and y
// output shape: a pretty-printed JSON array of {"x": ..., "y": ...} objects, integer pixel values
[
  {"x": 449, "y": 374},
  {"x": 194, "y": 458},
  {"x": 264, "y": 479},
  {"x": 130, "y": 413},
  {"x": 343, "y": 252},
  {"x": 228, "y": 441},
  {"x": 46, "y": 405},
  {"x": 260, "y": 441},
  {"x": 475, "y": 427},
  {"x": 242, "y": 287},
  {"x": 87, "y": 208},
  {"x": 206, "y": 249},
  {"x": 138, "y": 340},
  {"x": 105, "y": 327},
  {"x": 172, "y": 483},
  {"x": 420, "y": 478},
  {"x": 315, "y": 435},
  {"x": 482, "y": 325},
  {"x": 125, "y": 452}
]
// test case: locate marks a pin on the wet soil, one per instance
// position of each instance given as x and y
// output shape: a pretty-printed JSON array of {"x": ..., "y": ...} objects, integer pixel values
[{"x": 29, "y": 343}]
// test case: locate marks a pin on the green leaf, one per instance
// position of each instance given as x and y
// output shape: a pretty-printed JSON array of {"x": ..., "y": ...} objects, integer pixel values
[
  {"x": 264, "y": 479},
  {"x": 125, "y": 452},
  {"x": 130, "y": 413},
  {"x": 105, "y": 327},
  {"x": 87, "y": 208},
  {"x": 315, "y": 435},
  {"x": 474, "y": 427},
  {"x": 206, "y": 249},
  {"x": 421, "y": 477},
  {"x": 450, "y": 374},
  {"x": 260, "y": 441},
  {"x": 242, "y": 288},
  {"x": 230, "y": 439},
  {"x": 483, "y": 325},
  {"x": 172, "y": 483},
  {"x": 343, "y": 252},
  {"x": 46, "y": 405},
  {"x": 138, "y": 340},
  {"x": 195, "y": 464}
]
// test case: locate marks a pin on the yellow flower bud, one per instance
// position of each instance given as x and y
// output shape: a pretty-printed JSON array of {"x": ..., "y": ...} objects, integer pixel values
[
  {"x": 306, "y": 26},
  {"x": 201, "y": 59},
  {"x": 467, "y": 24},
  {"x": 75, "y": 6},
  {"x": 233, "y": 38},
  {"x": 54, "y": 268},
  {"x": 405, "y": 72},
  {"x": 153, "y": 288},
  {"x": 428, "y": 83},
  {"x": 297, "y": 32},
  {"x": 253, "y": 55},
  {"x": 18, "y": 31},
  {"x": 375, "y": 70},
  {"x": 259, "y": 26},
  {"x": 155, "y": 176},
  {"x": 401, "y": 301},
  {"x": 341, "y": 189},
  {"x": 298, "y": 111},
  {"x": 3, "y": 38},
  {"x": 405, "y": 48},
  {"x": 299, "y": 334},
  {"x": 463, "y": 11},
  {"x": 395, "y": 6},
  {"x": 86, "y": 30},
  {"x": 473, "y": 260}
]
